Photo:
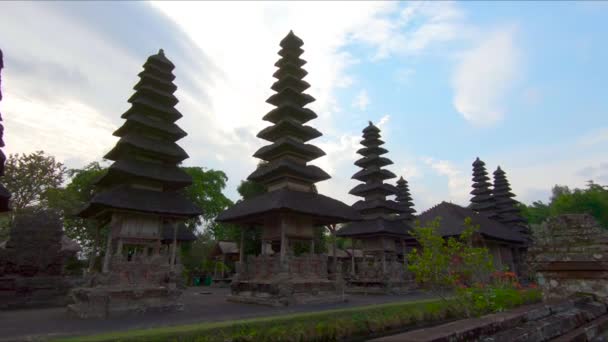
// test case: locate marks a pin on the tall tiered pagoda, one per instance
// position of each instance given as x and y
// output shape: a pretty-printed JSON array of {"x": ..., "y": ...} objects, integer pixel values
[
  {"x": 291, "y": 209},
  {"x": 140, "y": 193},
  {"x": 4, "y": 194},
  {"x": 506, "y": 207},
  {"x": 405, "y": 199},
  {"x": 482, "y": 200},
  {"x": 383, "y": 231}
]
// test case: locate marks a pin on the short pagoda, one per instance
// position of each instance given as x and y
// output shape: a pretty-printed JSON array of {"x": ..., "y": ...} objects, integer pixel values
[
  {"x": 140, "y": 193},
  {"x": 405, "y": 199},
  {"x": 291, "y": 209},
  {"x": 383, "y": 232},
  {"x": 4, "y": 193},
  {"x": 482, "y": 201}
]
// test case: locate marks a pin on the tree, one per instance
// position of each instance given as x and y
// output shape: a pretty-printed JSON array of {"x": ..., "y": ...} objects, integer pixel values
[
  {"x": 206, "y": 192},
  {"x": 29, "y": 177}
]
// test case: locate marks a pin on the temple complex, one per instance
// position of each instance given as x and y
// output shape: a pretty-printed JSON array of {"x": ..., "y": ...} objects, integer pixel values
[
  {"x": 384, "y": 230},
  {"x": 291, "y": 209},
  {"x": 137, "y": 196},
  {"x": 4, "y": 194}
]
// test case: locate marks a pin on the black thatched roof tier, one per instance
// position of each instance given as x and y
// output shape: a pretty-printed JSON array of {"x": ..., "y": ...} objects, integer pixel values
[
  {"x": 377, "y": 150},
  {"x": 291, "y": 42},
  {"x": 183, "y": 233},
  {"x": 376, "y": 227},
  {"x": 142, "y": 122},
  {"x": 323, "y": 209},
  {"x": 164, "y": 150},
  {"x": 373, "y": 160},
  {"x": 124, "y": 197},
  {"x": 452, "y": 223},
  {"x": 277, "y": 169},
  {"x": 145, "y": 105},
  {"x": 373, "y": 188},
  {"x": 405, "y": 200},
  {"x": 290, "y": 111},
  {"x": 145, "y": 175},
  {"x": 290, "y": 81},
  {"x": 387, "y": 206},
  {"x": 290, "y": 96},
  {"x": 373, "y": 172},
  {"x": 288, "y": 146},
  {"x": 289, "y": 69},
  {"x": 290, "y": 127},
  {"x": 372, "y": 142},
  {"x": 170, "y": 175}
]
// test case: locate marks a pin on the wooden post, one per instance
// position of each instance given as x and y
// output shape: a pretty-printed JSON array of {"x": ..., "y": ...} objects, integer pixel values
[
  {"x": 383, "y": 261},
  {"x": 263, "y": 250},
  {"x": 312, "y": 246},
  {"x": 242, "y": 247},
  {"x": 352, "y": 255},
  {"x": 93, "y": 255},
  {"x": 174, "y": 250},
  {"x": 119, "y": 248},
  {"x": 223, "y": 263},
  {"x": 106, "y": 259},
  {"x": 283, "y": 245},
  {"x": 404, "y": 254},
  {"x": 215, "y": 268},
  {"x": 335, "y": 261}
]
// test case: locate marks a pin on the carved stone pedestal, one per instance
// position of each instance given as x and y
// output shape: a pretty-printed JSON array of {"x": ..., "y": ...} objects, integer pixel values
[{"x": 103, "y": 302}]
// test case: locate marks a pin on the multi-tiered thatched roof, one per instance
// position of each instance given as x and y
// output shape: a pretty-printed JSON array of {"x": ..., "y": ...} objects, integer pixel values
[
  {"x": 506, "y": 207},
  {"x": 379, "y": 213},
  {"x": 145, "y": 176},
  {"x": 287, "y": 175}
]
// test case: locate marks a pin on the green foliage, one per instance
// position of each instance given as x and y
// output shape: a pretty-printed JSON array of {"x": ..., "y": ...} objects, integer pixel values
[
  {"x": 206, "y": 192},
  {"x": 248, "y": 189},
  {"x": 29, "y": 177},
  {"x": 592, "y": 200},
  {"x": 442, "y": 264}
]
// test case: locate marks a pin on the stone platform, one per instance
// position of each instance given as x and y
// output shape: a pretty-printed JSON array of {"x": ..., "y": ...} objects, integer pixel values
[
  {"x": 31, "y": 292},
  {"x": 103, "y": 302}
]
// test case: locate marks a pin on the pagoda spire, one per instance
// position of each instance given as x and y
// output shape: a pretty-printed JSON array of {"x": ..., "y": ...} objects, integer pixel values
[
  {"x": 374, "y": 190},
  {"x": 405, "y": 199},
  {"x": 146, "y": 157},
  {"x": 482, "y": 201},
  {"x": 506, "y": 206},
  {"x": 4, "y": 193},
  {"x": 288, "y": 155}
]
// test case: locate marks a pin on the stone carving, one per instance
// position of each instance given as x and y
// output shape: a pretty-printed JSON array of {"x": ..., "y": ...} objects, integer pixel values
[
  {"x": 31, "y": 264},
  {"x": 569, "y": 255}
]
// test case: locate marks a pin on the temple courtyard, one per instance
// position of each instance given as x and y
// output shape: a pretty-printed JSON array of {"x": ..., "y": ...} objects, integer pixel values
[{"x": 201, "y": 304}]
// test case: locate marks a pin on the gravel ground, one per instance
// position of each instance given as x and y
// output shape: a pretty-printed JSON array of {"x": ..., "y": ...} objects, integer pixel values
[{"x": 38, "y": 324}]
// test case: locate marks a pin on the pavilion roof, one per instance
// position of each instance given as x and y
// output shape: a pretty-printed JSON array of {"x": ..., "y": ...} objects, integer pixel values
[
  {"x": 376, "y": 227},
  {"x": 452, "y": 222}
]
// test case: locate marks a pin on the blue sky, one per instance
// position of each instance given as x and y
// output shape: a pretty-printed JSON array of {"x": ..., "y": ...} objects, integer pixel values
[{"x": 519, "y": 84}]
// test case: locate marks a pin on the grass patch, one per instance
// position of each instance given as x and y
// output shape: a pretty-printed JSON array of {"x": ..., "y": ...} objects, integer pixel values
[{"x": 330, "y": 325}]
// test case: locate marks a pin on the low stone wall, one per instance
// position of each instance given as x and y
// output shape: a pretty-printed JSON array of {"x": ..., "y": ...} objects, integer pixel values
[
  {"x": 539, "y": 322},
  {"x": 570, "y": 255}
]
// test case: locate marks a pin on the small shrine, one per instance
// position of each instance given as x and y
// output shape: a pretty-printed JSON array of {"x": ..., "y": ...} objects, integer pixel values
[
  {"x": 291, "y": 209},
  {"x": 139, "y": 194},
  {"x": 383, "y": 233},
  {"x": 29, "y": 278},
  {"x": 225, "y": 256}
]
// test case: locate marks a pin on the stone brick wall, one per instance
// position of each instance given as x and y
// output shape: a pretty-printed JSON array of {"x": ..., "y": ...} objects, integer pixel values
[{"x": 569, "y": 255}]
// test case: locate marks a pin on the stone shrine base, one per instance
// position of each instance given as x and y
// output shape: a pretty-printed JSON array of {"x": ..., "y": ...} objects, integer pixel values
[
  {"x": 287, "y": 292},
  {"x": 18, "y": 292},
  {"x": 104, "y": 301}
]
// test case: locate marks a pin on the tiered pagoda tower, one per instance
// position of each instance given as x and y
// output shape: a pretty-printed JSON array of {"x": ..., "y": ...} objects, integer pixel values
[
  {"x": 506, "y": 206},
  {"x": 4, "y": 194},
  {"x": 291, "y": 208},
  {"x": 405, "y": 199},
  {"x": 382, "y": 233},
  {"x": 482, "y": 201},
  {"x": 140, "y": 193}
]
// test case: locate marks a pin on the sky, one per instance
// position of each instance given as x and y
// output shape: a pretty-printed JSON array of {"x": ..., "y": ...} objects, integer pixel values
[{"x": 521, "y": 85}]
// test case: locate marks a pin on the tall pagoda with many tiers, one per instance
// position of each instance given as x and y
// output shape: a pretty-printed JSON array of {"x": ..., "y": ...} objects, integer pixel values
[
  {"x": 140, "y": 193},
  {"x": 383, "y": 232},
  {"x": 291, "y": 209}
]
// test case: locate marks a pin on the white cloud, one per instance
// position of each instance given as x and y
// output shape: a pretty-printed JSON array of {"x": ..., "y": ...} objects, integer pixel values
[
  {"x": 458, "y": 184},
  {"x": 362, "y": 100},
  {"x": 484, "y": 75},
  {"x": 594, "y": 137}
]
